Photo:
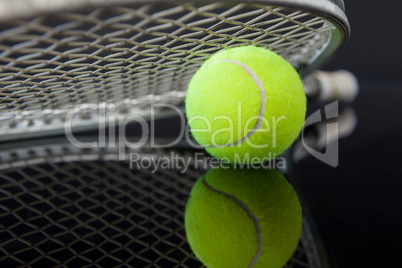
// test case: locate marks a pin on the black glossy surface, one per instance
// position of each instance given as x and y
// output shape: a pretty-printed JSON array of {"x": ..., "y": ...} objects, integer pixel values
[{"x": 357, "y": 206}]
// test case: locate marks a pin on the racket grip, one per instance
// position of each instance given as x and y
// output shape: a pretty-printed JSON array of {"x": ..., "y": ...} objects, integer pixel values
[{"x": 340, "y": 85}]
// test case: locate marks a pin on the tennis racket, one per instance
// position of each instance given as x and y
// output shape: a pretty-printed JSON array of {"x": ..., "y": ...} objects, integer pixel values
[{"x": 64, "y": 54}]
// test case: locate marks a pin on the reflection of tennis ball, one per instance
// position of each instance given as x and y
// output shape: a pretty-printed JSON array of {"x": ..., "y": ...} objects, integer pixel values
[
  {"x": 245, "y": 97},
  {"x": 243, "y": 218}
]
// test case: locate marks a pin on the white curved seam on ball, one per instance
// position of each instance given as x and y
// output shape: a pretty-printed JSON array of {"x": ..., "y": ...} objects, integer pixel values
[
  {"x": 263, "y": 94},
  {"x": 250, "y": 214}
]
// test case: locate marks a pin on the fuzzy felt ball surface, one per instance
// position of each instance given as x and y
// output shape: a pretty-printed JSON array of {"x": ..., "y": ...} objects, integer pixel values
[{"x": 245, "y": 102}]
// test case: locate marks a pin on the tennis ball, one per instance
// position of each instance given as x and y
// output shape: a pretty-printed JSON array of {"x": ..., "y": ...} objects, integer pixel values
[
  {"x": 243, "y": 218},
  {"x": 245, "y": 102}
]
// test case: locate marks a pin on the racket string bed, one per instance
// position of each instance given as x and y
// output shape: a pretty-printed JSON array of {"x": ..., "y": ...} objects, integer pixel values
[{"x": 137, "y": 54}]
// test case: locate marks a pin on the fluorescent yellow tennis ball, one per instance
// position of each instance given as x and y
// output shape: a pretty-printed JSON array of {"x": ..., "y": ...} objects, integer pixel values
[
  {"x": 246, "y": 102},
  {"x": 243, "y": 218}
]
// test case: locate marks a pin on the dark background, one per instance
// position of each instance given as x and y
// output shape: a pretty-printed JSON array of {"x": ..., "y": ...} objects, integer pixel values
[
  {"x": 358, "y": 205},
  {"x": 373, "y": 52}
]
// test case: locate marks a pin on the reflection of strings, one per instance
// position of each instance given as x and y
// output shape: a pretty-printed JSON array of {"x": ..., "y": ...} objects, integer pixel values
[
  {"x": 164, "y": 188},
  {"x": 251, "y": 216}
]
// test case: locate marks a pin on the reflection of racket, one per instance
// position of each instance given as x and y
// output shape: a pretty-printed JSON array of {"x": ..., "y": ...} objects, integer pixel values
[
  {"x": 55, "y": 55},
  {"x": 61, "y": 205}
]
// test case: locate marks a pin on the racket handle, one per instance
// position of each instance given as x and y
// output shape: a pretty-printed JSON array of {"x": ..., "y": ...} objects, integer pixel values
[{"x": 340, "y": 85}]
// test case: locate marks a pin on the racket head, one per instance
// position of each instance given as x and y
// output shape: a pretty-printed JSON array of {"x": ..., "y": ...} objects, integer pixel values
[{"x": 78, "y": 53}]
